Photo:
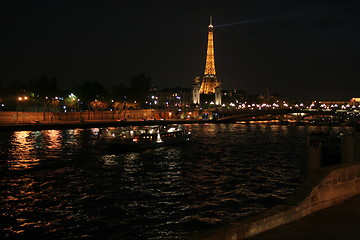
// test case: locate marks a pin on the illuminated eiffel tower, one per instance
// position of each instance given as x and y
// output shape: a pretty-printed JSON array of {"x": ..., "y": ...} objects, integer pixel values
[{"x": 209, "y": 82}]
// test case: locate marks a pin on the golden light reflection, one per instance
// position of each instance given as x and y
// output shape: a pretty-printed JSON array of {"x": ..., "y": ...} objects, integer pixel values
[
  {"x": 109, "y": 160},
  {"x": 131, "y": 165},
  {"x": 23, "y": 196},
  {"x": 53, "y": 138},
  {"x": 22, "y": 151},
  {"x": 71, "y": 136},
  {"x": 209, "y": 128}
]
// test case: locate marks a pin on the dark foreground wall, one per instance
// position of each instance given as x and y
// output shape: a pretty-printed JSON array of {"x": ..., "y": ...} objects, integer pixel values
[{"x": 329, "y": 187}]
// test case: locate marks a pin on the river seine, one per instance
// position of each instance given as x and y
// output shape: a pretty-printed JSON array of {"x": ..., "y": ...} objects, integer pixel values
[{"x": 54, "y": 185}]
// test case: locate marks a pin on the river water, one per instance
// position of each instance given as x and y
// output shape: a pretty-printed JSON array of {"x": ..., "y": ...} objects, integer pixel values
[{"x": 54, "y": 185}]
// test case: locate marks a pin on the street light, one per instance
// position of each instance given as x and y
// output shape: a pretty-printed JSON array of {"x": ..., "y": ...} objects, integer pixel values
[{"x": 21, "y": 99}]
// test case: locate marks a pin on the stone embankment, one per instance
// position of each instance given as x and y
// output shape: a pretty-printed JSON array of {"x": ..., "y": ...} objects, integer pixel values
[
  {"x": 131, "y": 115},
  {"x": 13, "y": 121},
  {"x": 324, "y": 187},
  {"x": 331, "y": 186}
]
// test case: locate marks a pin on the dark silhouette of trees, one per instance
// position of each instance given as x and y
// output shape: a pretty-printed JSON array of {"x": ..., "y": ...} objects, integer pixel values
[
  {"x": 43, "y": 92},
  {"x": 90, "y": 91},
  {"x": 15, "y": 89},
  {"x": 140, "y": 86},
  {"x": 2, "y": 91},
  {"x": 44, "y": 86},
  {"x": 120, "y": 93},
  {"x": 1, "y": 94}
]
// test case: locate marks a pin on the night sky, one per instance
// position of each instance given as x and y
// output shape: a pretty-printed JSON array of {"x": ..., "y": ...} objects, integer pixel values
[{"x": 305, "y": 49}]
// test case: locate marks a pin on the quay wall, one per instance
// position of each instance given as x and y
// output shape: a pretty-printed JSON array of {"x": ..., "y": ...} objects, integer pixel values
[
  {"x": 49, "y": 117},
  {"x": 330, "y": 186},
  {"x": 17, "y": 117}
]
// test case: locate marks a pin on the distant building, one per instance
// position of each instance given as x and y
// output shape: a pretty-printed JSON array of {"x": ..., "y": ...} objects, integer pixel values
[
  {"x": 330, "y": 104},
  {"x": 171, "y": 97},
  {"x": 196, "y": 91},
  {"x": 355, "y": 101}
]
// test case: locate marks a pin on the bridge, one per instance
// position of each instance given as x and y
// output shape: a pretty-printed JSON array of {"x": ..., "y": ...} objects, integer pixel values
[{"x": 281, "y": 114}]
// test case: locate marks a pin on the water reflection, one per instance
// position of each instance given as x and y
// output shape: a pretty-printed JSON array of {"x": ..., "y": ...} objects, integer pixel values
[
  {"x": 53, "y": 139},
  {"x": 22, "y": 194},
  {"x": 28, "y": 148},
  {"x": 23, "y": 147},
  {"x": 109, "y": 160}
]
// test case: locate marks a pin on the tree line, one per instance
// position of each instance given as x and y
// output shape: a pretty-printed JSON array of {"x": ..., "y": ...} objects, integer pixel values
[{"x": 43, "y": 92}]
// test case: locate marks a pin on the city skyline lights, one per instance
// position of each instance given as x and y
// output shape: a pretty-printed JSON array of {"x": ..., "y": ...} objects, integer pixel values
[{"x": 304, "y": 49}]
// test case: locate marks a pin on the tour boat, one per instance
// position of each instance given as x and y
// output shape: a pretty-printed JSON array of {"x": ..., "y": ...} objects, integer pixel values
[{"x": 137, "y": 138}]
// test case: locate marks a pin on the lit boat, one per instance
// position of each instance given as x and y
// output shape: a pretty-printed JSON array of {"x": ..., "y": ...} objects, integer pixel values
[{"x": 140, "y": 138}]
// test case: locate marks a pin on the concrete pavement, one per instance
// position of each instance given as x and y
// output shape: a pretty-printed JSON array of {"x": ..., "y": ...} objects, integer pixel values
[{"x": 337, "y": 222}]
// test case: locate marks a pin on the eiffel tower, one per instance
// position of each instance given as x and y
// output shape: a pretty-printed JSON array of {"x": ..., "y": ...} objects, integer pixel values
[{"x": 209, "y": 82}]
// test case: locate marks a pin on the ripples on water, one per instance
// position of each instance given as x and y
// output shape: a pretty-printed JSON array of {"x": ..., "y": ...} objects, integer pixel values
[{"x": 54, "y": 185}]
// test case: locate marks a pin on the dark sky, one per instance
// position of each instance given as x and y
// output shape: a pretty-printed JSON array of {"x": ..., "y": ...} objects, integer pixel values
[{"x": 303, "y": 49}]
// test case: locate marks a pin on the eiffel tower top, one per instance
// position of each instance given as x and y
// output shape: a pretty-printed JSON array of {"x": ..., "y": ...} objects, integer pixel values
[{"x": 210, "y": 25}]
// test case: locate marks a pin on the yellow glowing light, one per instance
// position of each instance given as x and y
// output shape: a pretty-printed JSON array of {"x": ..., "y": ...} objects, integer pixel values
[
  {"x": 209, "y": 82},
  {"x": 24, "y": 145}
]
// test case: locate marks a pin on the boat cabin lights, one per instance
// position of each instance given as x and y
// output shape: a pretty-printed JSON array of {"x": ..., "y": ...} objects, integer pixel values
[
  {"x": 158, "y": 140},
  {"x": 172, "y": 129}
]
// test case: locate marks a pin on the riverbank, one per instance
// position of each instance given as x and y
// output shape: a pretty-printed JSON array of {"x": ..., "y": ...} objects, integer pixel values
[
  {"x": 337, "y": 222},
  {"x": 12, "y": 121},
  {"x": 330, "y": 187}
]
